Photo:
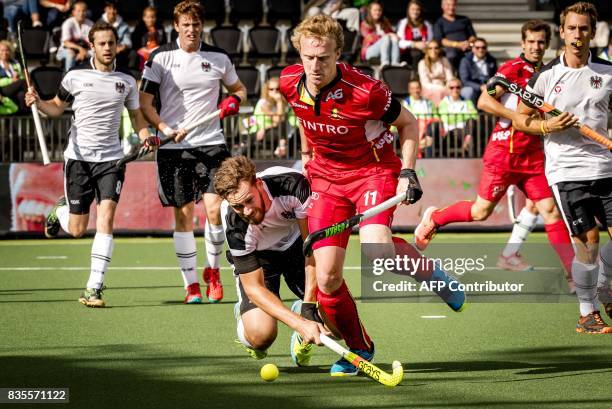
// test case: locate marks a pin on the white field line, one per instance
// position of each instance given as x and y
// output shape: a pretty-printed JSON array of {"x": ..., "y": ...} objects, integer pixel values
[{"x": 433, "y": 317}]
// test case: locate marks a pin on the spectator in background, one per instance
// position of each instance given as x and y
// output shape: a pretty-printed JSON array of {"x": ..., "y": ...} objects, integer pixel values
[
  {"x": 74, "y": 42},
  {"x": 12, "y": 84},
  {"x": 454, "y": 32},
  {"x": 414, "y": 33},
  {"x": 15, "y": 10},
  {"x": 148, "y": 35},
  {"x": 336, "y": 9},
  {"x": 426, "y": 114},
  {"x": 55, "y": 12},
  {"x": 379, "y": 40},
  {"x": 475, "y": 70},
  {"x": 434, "y": 72},
  {"x": 271, "y": 111},
  {"x": 459, "y": 118},
  {"x": 606, "y": 54},
  {"x": 126, "y": 56}
]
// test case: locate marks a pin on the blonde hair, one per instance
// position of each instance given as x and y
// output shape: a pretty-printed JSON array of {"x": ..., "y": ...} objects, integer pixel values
[
  {"x": 427, "y": 58},
  {"x": 319, "y": 26},
  {"x": 265, "y": 89},
  {"x": 582, "y": 8},
  {"x": 9, "y": 45}
]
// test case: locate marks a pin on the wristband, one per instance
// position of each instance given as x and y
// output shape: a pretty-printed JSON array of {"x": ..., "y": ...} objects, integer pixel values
[{"x": 166, "y": 130}]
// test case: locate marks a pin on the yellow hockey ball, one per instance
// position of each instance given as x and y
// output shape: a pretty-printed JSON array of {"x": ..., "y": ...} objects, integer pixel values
[{"x": 269, "y": 372}]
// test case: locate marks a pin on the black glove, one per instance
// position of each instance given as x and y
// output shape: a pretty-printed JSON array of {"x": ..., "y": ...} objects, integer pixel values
[
  {"x": 310, "y": 312},
  {"x": 414, "y": 191}
]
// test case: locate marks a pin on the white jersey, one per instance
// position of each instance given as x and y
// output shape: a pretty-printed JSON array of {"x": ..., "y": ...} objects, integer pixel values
[
  {"x": 289, "y": 193},
  {"x": 97, "y": 99},
  {"x": 584, "y": 92},
  {"x": 187, "y": 88}
]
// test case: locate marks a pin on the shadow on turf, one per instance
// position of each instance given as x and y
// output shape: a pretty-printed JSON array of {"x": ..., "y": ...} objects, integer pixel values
[
  {"x": 97, "y": 386},
  {"x": 529, "y": 361}
]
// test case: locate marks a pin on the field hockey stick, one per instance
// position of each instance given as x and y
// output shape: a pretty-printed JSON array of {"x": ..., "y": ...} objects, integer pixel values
[
  {"x": 143, "y": 150},
  {"x": 342, "y": 226},
  {"x": 368, "y": 368},
  {"x": 35, "y": 114},
  {"x": 537, "y": 102}
]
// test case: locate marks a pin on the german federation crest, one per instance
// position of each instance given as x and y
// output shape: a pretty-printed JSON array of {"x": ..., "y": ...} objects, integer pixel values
[
  {"x": 120, "y": 87},
  {"x": 205, "y": 66},
  {"x": 596, "y": 81}
]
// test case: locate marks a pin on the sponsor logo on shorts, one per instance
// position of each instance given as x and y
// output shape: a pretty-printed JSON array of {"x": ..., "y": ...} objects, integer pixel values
[
  {"x": 75, "y": 201},
  {"x": 497, "y": 190},
  {"x": 118, "y": 188},
  {"x": 577, "y": 222},
  {"x": 501, "y": 135},
  {"x": 88, "y": 84},
  {"x": 314, "y": 196},
  {"x": 120, "y": 87}
]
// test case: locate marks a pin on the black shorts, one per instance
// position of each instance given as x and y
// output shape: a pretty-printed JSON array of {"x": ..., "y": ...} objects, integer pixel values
[
  {"x": 288, "y": 263},
  {"x": 582, "y": 202},
  {"x": 184, "y": 174},
  {"x": 85, "y": 180}
]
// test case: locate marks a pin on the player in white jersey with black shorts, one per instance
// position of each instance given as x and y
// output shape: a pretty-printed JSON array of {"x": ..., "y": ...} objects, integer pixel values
[
  {"x": 578, "y": 169},
  {"x": 98, "y": 93},
  {"x": 181, "y": 84},
  {"x": 264, "y": 217}
]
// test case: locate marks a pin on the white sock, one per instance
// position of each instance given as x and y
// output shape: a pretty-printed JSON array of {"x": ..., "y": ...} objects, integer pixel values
[
  {"x": 185, "y": 248},
  {"x": 585, "y": 279},
  {"x": 525, "y": 223},
  {"x": 214, "y": 237},
  {"x": 63, "y": 215},
  {"x": 101, "y": 253},
  {"x": 241, "y": 337}
]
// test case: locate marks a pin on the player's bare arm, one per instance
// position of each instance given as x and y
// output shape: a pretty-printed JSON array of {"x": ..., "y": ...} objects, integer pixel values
[
  {"x": 407, "y": 130},
  {"x": 491, "y": 104},
  {"x": 142, "y": 129},
  {"x": 306, "y": 152},
  {"x": 54, "y": 107},
  {"x": 310, "y": 287},
  {"x": 528, "y": 120},
  {"x": 257, "y": 292},
  {"x": 237, "y": 89}
]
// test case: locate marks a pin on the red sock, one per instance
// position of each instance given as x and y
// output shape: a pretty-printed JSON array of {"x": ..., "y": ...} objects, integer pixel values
[
  {"x": 458, "y": 212},
  {"x": 341, "y": 310},
  {"x": 560, "y": 240},
  {"x": 403, "y": 248}
]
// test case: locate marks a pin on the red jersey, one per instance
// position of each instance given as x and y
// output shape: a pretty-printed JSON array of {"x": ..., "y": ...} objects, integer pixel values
[
  {"x": 343, "y": 124},
  {"x": 504, "y": 136}
]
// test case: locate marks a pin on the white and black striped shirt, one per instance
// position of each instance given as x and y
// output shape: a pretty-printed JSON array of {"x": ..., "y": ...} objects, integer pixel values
[
  {"x": 97, "y": 99},
  {"x": 187, "y": 87},
  {"x": 289, "y": 193}
]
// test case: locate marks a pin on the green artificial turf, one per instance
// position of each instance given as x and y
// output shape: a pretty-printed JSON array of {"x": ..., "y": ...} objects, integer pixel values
[{"x": 148, "y": 350}]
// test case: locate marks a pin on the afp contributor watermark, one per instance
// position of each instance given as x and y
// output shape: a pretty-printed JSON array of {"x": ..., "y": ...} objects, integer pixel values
[{"x": 402, "y": 275}]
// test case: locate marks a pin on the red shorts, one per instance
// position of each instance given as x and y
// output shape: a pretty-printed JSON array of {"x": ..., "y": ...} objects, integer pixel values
[
  {"x": 334, "y": 201},
  {"x": 502, "y": 169}
]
